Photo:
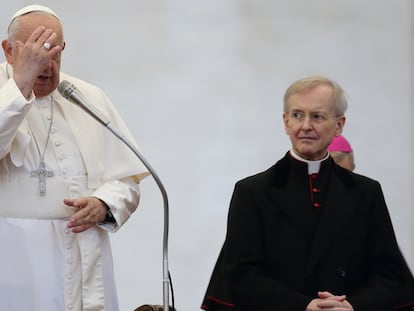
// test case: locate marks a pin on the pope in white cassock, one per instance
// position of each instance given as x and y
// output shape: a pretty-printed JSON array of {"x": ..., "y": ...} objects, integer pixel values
[{"x": 65, "y": 180}]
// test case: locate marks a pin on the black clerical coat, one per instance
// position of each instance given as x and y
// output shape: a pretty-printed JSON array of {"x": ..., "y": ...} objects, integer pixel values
[{"x": 291, "y": 235}]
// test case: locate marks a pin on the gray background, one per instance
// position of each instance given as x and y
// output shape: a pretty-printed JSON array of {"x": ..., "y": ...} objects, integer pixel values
[{"x": 200, "y": 84}]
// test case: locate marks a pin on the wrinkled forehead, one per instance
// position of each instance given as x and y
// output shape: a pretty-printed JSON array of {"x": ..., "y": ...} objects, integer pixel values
[
  {"x": 23, "y": 26},
  {"x": 316, "y": 98}
]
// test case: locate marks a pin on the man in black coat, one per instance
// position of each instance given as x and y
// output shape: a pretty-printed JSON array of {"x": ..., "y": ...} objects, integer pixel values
[{"x": 307, "y": 234}]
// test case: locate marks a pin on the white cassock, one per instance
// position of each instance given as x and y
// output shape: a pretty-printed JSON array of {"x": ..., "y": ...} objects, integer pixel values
[{"x": 43, "y": 265}]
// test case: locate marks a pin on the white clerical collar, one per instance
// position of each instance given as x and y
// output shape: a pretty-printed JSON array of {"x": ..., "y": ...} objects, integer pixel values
[{"x": 313, "y": 166}]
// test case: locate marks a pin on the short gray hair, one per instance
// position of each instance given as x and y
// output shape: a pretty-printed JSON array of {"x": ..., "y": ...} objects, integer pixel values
[{"x": 307, "y": 83}]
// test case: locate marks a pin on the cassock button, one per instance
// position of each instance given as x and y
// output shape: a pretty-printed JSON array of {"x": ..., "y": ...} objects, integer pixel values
[
  {"x": 316, "y": 205},
  {"x": 342, "y": 272},
  {"x": 314, "y": 176},
  {"x": 316, "y": 190},
  {"x": 311, "y": 274}
]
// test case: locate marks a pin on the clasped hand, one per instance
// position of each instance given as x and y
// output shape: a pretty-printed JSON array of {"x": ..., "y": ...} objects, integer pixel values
[{"x": 329, "y": 302}]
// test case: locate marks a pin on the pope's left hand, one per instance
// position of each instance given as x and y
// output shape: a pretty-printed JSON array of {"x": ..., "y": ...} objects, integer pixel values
[{"x": 89, "y": 211}]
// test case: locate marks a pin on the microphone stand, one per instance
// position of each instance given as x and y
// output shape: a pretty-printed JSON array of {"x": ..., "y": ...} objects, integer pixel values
[
  {"x": 165, "y": 276},
  {"x": 70, "y": 92}
]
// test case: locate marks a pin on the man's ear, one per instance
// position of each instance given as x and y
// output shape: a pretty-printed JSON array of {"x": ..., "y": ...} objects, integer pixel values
[
  {"x": 285, "y": 122},
  {"x": 340, "y": 125},
  {"x": 7, "y": 48}
]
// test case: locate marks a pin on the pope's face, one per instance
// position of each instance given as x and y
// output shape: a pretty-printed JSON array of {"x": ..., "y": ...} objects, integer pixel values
[
  {"x": 312, "y": 122},
  {"x": 48, "y": 80}
]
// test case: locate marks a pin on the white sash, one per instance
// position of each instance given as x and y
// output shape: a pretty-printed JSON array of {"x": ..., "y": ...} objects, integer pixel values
[{"x": 20, "y": 198}]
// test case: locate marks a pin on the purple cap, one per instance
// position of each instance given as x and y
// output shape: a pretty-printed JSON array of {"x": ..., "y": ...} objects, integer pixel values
[{"x": 339, "y": 143}]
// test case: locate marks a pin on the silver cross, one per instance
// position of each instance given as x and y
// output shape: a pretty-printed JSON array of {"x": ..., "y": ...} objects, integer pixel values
[{"x": 42, "y": 173}]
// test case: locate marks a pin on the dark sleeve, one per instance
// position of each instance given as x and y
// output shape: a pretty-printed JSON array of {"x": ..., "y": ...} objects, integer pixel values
[
  {"x": 218, "y": 295},
  {"x": 406, "y": 300},
  {"x": 244, "y": 257},
  {"x": 389, "y": 274}
]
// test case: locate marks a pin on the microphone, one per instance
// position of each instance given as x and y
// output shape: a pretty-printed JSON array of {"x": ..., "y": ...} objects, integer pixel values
[{"x": 71, "y": 93}]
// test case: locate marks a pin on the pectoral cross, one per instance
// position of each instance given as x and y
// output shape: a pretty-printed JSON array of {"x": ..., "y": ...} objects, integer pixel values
[{"x": 42, "y": 173}]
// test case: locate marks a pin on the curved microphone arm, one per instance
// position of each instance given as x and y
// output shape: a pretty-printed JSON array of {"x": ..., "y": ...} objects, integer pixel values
[
  {"x": 165, "y": 278},
  {"x": 71, "y": 93}
]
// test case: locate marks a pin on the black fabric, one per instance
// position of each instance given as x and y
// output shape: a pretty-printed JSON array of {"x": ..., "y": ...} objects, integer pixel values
[{"x": 278, "y": 252}]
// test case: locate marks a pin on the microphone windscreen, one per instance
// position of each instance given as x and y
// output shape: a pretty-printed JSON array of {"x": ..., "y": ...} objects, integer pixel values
[{"x": 66, "y": 89}]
